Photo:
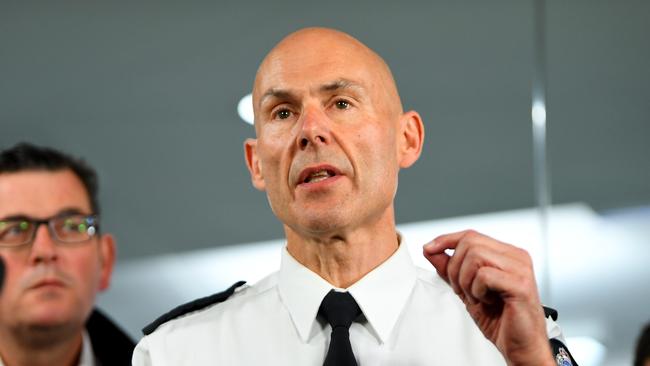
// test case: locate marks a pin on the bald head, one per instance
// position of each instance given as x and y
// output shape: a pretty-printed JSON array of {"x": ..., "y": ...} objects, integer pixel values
[
  {"x": 311, "y": 53},
  {"x": 331, "y": 135}
]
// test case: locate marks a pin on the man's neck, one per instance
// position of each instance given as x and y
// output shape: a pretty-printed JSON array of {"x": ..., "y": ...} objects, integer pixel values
[
  {"x": 61, "y": 351},
  {"x": 342, "y": 258}
]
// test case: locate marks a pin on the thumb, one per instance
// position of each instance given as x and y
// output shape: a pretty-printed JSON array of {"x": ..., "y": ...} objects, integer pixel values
[{"x": 439, "y": 259}]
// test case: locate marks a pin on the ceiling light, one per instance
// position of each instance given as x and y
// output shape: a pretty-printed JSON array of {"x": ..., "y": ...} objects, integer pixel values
[
  {"x": 245, "y": 109},
  {"x": 539, "y": 113}
]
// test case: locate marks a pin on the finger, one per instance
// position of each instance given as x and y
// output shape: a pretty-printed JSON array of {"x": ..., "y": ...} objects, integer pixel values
[
  {"x": 439, "y": 262},
  {"x": 475, "y": 250},
  {"x": 444, "y": 242},
  {"x": 492, "y": 281},
  {"x": 466, "y": 274},
  {"x": 479, "y": 256},
  {"x": 483, "y": 287},
  {"x": 448, "y": 264},
  {"x": 455, "y": 263}
]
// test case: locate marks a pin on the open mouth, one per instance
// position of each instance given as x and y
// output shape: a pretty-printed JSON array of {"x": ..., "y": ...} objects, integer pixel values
[{"x": 319, "y": 176}]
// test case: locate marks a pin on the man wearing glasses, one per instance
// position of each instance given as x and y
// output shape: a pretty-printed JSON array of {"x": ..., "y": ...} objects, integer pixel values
[{"x": 55, "y": 261}]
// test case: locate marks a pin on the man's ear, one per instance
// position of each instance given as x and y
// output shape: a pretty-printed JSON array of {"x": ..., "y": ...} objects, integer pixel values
[
  {"x": 253, "y": 163},
  {"x": 107, "y": 253},
  {"x": 410, "y": 139}
]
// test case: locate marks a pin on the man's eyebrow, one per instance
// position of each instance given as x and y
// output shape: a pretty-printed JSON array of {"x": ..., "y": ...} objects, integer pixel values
[
  {"x": 340, "y": 84},
  {"x": 276, "y": 93},
  {"x": 16, "y": 217},
  {"x": 70, "y": 211},
  {"x": 63, "y": 212}
]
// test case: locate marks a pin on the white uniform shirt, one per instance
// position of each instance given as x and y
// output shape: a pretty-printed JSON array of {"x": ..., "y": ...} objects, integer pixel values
[{"x": 411, "y": 317}]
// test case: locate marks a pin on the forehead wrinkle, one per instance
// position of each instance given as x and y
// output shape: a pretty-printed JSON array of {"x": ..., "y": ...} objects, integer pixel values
[{"x": 341, "y": 84}]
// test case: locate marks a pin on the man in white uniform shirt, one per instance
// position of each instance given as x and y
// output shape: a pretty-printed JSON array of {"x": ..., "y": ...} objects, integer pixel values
[{"x": 331, "y": 139}]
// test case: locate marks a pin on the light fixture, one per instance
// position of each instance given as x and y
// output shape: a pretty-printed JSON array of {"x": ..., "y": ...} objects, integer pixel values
[
  {"x": 539, "y": 113},
  {"x": 245, "y": 109}
]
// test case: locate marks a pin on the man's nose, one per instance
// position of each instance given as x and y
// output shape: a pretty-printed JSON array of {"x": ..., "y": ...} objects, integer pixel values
[
  {"x": 43, "y": 249},
  {"x": 314, "y": 128}
]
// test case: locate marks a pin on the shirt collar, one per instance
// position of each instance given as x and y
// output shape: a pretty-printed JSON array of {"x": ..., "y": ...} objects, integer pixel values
[
  {"x": 301, "y": 291},
  {"x": 87, "y": 357},
  {"x": 381, "y": 294}
]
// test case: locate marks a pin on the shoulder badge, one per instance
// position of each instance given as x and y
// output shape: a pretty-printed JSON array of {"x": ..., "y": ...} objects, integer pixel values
[
  {"x": 191, "y": 306},
  {"x": 561, "y": 353}
]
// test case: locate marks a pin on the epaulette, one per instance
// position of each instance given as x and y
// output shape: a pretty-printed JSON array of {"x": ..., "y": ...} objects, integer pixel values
[
  {"x": 560, "y": 351},
  {"x": 550, "y": 312},
  {"x": 191, "y": 306}
]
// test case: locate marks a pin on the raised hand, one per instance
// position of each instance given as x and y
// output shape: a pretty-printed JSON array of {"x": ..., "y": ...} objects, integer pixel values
[{"x": 496, "y": 282}]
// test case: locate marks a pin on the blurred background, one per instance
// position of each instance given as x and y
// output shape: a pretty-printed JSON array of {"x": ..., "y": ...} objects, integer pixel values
[{"x": 147, "y": 92}]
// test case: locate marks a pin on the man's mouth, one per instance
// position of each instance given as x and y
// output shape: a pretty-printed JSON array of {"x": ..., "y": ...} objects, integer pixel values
[
  {"x": 47, "y": 283},
  {"x": 317, "y": 174}
]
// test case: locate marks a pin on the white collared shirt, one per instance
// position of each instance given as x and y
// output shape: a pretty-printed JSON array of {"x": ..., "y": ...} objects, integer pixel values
[
  {"x": 87, "y": 357},
  {"x": 411, "y": 317}
]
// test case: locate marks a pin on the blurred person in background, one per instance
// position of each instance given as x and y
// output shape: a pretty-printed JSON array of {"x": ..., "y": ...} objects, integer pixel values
[
  {"x": 56, "y": 260},
  {"x": 642, "y": 354}
]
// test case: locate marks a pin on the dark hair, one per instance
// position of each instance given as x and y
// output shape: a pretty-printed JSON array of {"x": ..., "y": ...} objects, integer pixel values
[
  {"x": 25, "y": 156},
  {"x": 643, "y": 347}
]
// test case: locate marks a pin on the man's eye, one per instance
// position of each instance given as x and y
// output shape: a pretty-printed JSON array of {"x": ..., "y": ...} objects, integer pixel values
[
  {"x": 342, "y": 104},
  {"x": 69, "y": 226},
  {"x": 283, "y": 114},
  {"x": 8, "y": 229}
]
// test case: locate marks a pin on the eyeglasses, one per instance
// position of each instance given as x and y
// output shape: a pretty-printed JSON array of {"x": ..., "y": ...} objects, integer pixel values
[{"x": 69, "y": 228}]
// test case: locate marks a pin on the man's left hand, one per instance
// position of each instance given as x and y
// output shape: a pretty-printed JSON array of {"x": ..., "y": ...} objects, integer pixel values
[{"x": 496, "y": 283}]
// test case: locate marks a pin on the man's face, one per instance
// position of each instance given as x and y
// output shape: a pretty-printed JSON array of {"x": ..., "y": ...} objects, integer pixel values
[
  {"x": 328, "y": 135},
  {"x": 49, "y": 284}
]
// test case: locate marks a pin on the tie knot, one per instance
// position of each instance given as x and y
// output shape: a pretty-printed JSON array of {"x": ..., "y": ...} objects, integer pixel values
[{"x": 339, "y": 309}]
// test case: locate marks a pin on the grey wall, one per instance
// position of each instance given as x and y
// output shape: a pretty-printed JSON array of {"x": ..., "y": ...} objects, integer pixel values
[{"x": 147, "y": 92}]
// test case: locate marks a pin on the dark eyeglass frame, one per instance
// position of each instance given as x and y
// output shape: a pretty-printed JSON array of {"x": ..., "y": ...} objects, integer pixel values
[{"x": 91, "y": 220}]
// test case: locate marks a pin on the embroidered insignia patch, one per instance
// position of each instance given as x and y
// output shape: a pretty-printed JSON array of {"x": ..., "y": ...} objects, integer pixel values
[{"x": 562, "y": 358}]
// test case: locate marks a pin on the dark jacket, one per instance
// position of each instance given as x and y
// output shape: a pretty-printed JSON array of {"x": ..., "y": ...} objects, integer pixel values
[{"x": 112, "y": 347}]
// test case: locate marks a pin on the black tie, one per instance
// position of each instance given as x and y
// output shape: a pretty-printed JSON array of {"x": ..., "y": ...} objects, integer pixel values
[{"x": 339, "y": 309}]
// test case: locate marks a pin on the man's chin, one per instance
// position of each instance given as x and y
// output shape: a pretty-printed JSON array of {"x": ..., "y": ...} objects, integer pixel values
[
  {"x": 47, "y": 319},
  {"x": 323, "y": 225},
  {"x": 41, "y": 328},
  {"x": 52, "y": 313}
]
